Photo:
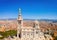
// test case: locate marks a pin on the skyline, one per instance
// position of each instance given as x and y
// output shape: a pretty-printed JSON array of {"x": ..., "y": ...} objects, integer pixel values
[{"x": 31, "y": 9}]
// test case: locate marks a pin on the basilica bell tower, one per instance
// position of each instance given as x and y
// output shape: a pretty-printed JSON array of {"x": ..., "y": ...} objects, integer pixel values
[
  {"x": 20, "y": 23},
  {"x": 20, "y": 19}
]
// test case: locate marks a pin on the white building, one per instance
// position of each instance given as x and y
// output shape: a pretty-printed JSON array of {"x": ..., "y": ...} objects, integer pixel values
[{"x": 29, "y": 33}]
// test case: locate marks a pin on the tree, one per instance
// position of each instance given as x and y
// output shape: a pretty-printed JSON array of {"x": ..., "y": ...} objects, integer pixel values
[
  {"x": 7, "y": 33},
  {"x": 55, "y": 38}
]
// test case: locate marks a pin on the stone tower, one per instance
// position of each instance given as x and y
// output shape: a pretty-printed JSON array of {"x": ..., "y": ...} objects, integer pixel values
[
  {"x": 20, "y": 23},
  {"x": 37, "y": 24},
  {"x": 38, "y": 35}
]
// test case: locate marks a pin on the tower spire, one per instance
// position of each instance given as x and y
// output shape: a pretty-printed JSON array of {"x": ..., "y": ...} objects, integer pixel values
[
  {"x": 19, "y": 11},
  {"x": 19, "y": 14}
]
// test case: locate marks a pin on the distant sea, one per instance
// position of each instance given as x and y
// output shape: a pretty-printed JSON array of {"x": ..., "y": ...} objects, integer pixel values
[{"x": 52, "y": 20}]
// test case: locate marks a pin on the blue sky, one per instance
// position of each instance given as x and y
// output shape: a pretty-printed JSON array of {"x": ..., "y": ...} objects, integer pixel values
[{"x": 31, "y": 9}]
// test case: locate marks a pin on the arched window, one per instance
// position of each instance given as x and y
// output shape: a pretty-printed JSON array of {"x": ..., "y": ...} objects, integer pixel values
[{"x": 36, "y": 32}]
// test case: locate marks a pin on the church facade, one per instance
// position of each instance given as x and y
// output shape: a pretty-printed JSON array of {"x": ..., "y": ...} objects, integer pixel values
[{"x": 29, "y": 33}]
